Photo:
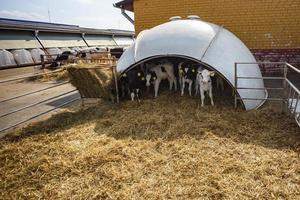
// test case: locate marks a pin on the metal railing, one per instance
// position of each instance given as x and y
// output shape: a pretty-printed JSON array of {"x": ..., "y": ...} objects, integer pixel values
[
  {"x": 94, "y": 56},
  {"x": 290, "y": 94},
  {"x": 37, "y": 103},
  {"x": 98, "y": 63}
]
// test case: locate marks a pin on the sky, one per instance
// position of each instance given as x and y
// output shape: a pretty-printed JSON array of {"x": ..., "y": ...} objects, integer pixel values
[{"x": 85, "y": 13}]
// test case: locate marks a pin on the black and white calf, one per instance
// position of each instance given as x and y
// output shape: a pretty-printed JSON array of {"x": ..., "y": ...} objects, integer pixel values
[
  {"x": 61, "y": 59},
  {"x": 205, "y": 85},
  {"x": 133, "y": 82},
  {"x": 157, "y": 73},
  {"x": 187, "y": 74}
]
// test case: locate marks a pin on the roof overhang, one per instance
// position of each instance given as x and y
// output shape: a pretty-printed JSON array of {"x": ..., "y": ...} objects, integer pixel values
[
  {"x": 24, "y": 25},
  {"x": 125, "y": 4}
]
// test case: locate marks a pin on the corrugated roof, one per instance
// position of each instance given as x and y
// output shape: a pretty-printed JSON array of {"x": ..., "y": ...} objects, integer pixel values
[{"x": 13, "y": 24}]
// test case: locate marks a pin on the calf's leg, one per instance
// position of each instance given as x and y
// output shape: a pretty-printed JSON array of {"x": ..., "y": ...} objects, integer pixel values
[
  {"x": 156, "y": 87},
  {"x": 190, "y": 87},
  {"x": 182, "y": 86},
  {"x": 132, "y": 96},
  {"x": 138, "y": 95},
  {"x": 170, "y": 83},
  {"x": 175, "y": 83},
  {"x": 196, "y": 88},
  {"x": 202, "y": 95},
  {"x": 211, "y": 97},
  {"x": 180, "y": 82}
]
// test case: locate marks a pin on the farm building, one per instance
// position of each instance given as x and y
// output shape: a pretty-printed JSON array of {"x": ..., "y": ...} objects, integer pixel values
[
  {"x": 25, "y": 36},
  {"x": 269, "y": 28}
]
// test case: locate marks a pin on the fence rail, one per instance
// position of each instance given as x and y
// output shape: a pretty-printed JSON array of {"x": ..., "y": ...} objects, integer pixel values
[
  {"x": 290, "y": 93},
  {"x": 98, "y": 63},
  {"x": 34, "y": 92},
  {"x": 31, "y": 76},
  {"x": 38, "y": 115}
]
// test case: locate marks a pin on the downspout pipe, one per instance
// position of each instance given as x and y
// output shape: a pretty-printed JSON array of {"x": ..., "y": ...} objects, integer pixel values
[
  {"x": 113, "y": 38},
  {"x": 123, "y": 12},
  {"x": 127, "y": 16}
]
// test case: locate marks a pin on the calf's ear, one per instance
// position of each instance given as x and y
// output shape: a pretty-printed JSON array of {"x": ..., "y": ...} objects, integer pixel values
[{"x": 211, "y": 73}]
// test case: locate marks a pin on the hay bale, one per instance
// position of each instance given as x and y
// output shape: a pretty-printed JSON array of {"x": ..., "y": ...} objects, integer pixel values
[{"x": 92, "y": 81}]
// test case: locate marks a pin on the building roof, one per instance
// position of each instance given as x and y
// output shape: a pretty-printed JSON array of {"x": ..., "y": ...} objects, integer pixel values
[
  {"x": 13, "y": 24},
  {"x": 125, "y": 4}
]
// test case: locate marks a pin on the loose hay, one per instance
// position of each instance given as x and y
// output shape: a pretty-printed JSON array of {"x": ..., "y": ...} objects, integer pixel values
[
  {"x": 163, "y": 148},
  {"x": 55, "y": 76}
]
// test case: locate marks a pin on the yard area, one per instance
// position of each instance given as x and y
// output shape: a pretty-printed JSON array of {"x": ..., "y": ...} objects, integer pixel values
[{"x": 169, "y": 147}]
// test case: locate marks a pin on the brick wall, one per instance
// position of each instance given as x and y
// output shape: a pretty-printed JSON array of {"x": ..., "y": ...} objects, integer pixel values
[{"x": 261, "y": 24}]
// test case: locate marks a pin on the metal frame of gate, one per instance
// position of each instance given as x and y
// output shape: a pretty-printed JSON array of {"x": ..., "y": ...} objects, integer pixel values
[
  {"x": 290, "y": 93},
  {"x": 34, "y": 104},
  {"x": 98, "y": 63}
]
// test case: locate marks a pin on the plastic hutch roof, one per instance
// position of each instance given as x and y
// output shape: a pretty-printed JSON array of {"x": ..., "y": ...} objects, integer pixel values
[{"x": 210, "y": 44}]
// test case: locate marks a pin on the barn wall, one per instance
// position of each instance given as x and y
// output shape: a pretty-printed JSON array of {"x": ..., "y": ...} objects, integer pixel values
[{"x": 262, "y": 25}]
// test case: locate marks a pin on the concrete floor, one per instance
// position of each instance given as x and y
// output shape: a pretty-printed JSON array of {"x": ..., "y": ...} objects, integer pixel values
[{"x": 11, "y": 89}]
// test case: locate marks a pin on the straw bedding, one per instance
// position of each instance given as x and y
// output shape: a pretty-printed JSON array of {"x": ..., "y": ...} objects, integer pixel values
[{"x": 159, "y": 149}]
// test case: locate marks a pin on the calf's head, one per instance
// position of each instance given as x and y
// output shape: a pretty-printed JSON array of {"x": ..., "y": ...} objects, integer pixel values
[
  {"x": 190, "y": 73},
  {"x": 205, "y": 76},
  {"x": 150, "y": 77}
]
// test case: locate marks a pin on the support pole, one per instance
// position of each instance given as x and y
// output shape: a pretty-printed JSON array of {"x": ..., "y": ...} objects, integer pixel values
[
  {"x": 115, "y": 74},
  {"x": 235, "y": 85},
  {"x": 83, "y": 38},
  {"x": 285, "y": 93},
  {"x": 36, "y": 35}
]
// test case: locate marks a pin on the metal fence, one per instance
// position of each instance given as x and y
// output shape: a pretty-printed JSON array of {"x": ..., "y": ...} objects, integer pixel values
[
  {"x": 100, "y": 63},
  {"x": 37, "y": 103},
  {"x": 289, "y": 93}
]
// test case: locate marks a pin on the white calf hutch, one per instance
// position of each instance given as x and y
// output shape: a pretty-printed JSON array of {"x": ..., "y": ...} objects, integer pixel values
[{"x": 209, "y": 44}]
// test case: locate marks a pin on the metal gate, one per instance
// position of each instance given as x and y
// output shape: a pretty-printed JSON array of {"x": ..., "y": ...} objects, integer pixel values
[
  {"x": 289, "y": 92},
  {"x": 98, "y": 63},
  {"x": 37, "y": 103}
]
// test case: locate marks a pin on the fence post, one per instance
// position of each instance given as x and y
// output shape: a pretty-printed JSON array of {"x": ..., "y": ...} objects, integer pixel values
[
  {"x": 235, "y": 85},
  {"x": 284, "y": 98},
  {"x": 115, "y": 74}
]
